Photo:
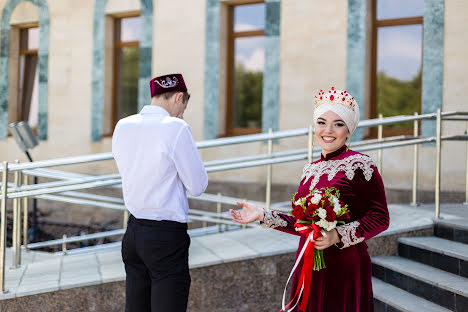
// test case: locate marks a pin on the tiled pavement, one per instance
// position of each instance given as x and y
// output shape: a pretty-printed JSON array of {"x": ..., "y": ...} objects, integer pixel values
[{"x": 41, "y": 272}]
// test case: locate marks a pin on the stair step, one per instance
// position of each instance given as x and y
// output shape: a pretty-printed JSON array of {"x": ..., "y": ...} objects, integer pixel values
[
  {"x": 455, "y": 230},
  {"x": 437, "y": 252},
  {"x": 443, "y": 288},
  {"x": 391, "y": 298}
]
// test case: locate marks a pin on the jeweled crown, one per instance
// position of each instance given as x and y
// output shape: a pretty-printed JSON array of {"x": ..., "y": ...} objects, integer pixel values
[{"x": 333, "y": 96}]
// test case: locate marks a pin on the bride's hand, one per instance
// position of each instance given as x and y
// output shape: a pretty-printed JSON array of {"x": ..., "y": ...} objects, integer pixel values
[
  {"x": 249, "y": 213},
  {"x": 323, "y": 242}
]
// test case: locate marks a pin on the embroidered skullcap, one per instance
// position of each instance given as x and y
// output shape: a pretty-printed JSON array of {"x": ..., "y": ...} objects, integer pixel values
[
  {"x": 167, "y": 83},
  {"x": 341, "y": 103}
]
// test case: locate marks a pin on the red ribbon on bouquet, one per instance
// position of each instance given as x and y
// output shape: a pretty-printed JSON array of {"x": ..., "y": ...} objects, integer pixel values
[{"x": 303, "y": 289}]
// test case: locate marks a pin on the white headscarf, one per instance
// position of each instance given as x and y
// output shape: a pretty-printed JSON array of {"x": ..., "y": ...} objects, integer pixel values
[{"x": 339, "y": 102}]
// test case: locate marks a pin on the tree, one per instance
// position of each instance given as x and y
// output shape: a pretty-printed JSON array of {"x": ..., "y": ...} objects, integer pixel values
[
  {"x": 248, "y": 87},
  {"x": 398, "y": 97}
]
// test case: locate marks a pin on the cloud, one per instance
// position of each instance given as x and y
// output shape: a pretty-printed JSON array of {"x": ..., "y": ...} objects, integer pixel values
[
  {"x": 256, "y": 61},
  {"x": 246, "y": 46},
  {"x": 244, "y": 27},
  {"x": 400, "y": 51}
]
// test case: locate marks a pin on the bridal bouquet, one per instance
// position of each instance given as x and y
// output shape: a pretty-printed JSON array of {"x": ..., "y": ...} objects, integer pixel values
[{"x": 320, "y": 209}]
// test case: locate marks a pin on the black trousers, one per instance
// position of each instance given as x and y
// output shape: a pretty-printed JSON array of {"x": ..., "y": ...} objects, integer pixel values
[{"x": 155, "y": 254}]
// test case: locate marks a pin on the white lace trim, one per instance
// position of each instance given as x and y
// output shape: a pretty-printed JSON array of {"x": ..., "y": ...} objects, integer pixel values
[
  {"x": 348, "y": 234},
  {"x": 332, "y": 167},
  {"x": 272, "y": 220}
]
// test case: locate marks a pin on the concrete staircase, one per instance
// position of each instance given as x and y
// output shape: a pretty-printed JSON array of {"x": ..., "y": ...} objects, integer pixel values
[{"x": 430, "y": 273}]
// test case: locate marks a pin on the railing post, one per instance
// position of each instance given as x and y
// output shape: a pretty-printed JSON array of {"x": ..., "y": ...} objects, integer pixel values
[
  {"x": 64, "y": 244},
  {"x": 379, "y": 152},
  {"x": 310, "y": 148},
  {"x": 414, "y": 201},
  {"x": 25, "y": 214},
  {"x": 16, "y": 233},
  {"x": 3, "y": 211},
  {"x": 218, "y": 210},
  {"x": 125, "y": 219},
  {"x": 466, "y": 170},
  {"x": 269, "y": 173},
  {"x": 438, "y": 161}
]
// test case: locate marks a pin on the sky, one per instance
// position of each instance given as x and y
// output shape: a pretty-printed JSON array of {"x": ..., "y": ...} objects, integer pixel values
[
  {"x": 399, "y": 50},
  {"x": 250, "y": 51}
]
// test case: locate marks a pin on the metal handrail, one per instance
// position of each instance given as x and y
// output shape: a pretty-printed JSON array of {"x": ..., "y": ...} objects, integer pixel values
[
  {"x": 230, "y": 141},
  {"x": 72, "y": 182}
]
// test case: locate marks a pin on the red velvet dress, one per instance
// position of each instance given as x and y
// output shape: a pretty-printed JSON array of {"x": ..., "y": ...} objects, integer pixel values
[{"x": 345, "y": 284}]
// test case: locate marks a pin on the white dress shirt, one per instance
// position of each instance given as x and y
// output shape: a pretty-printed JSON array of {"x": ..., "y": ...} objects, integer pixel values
[{"x": 158, "y": 162}]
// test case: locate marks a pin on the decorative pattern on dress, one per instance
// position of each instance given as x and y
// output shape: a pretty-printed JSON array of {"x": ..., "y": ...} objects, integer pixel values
[
  {"x": 272, "y": 220},
  {"x": 348, "y": 234},
  {"x": 331, "y": 167}
]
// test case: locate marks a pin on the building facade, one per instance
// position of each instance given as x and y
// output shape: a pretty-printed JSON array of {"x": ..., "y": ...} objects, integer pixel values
[{"x": 73, "y": 68}]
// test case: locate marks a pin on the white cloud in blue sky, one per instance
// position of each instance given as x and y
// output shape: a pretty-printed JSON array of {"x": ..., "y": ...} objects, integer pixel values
[{"x": 399, "y": 51}]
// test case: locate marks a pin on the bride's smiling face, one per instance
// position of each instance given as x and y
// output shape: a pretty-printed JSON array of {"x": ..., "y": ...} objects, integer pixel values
[{"x": 330, "y": 132}]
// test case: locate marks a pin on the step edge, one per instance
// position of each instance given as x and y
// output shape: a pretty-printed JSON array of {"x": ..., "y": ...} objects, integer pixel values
[
  {"x": 451, "y": 224},
  {"x": 402, "y": 293},
  {"x": 408, "y": 241},
  {"x": 423, "y": 279}
]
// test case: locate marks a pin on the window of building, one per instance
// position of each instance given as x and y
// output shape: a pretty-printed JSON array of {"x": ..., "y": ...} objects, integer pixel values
[
  {"x": 397, "y": 61},
  {"x": 126, "y": 67},
  {"x": 26, "y": 99},
  {"x": 245, "y": 63}
]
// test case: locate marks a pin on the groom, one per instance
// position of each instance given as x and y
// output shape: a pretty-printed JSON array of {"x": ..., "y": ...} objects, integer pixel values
[{"x": 158, "y": 162}]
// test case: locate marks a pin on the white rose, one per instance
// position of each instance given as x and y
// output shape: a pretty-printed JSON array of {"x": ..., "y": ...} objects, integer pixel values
[
  {"x": 324, "y": 224},
  {"x": 316, "y": 199},
  {"x": 322, "y": 213},
  {"x": 331, "y": 225}
]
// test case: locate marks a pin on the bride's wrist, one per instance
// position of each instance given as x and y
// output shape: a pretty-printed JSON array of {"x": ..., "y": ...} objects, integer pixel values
[{"x": 261, "y": 214}]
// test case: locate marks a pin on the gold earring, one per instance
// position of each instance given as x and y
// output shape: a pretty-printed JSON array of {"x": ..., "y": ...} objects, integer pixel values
[{"x": 349, "y": 143}]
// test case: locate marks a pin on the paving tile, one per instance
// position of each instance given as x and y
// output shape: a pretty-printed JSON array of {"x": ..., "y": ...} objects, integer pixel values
[
  {"x": 446, "y": 263},
  {"x": 79, "y": 281},
  {"x": 397, "y": 279},
  {"x": 397, "y": 299},
  {"x": 267, "y": 242},
  {"x": 443, "y": 232},
  {"x": 379, "y": 306},
  {"x": 34, "y": 288},
  {"x": 9, "y": 294},
  {"x": 438, "y": 245},
  {"x": 113, "y": 272},
  {"x": 227, "y": 249},
  {"x": 461, "y": 303},
  {"x": 109, "y": 257},
  {"x": 94, "y": 271},
  {"x": 464, "y": 268},
  {"x": 200, "y": 256}
]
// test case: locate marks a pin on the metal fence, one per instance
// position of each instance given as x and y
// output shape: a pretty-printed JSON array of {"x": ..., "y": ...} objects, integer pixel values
[{"x": 67, "y": 188}]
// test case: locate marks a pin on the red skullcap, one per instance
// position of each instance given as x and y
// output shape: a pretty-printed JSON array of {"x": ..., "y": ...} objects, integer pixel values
[{"x": 167, "y": 83}]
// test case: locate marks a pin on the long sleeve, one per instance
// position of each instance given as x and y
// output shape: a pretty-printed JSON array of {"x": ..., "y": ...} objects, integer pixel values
[
  {"x": 188, "y": 163},
  {"x": 279, "y": 221},
  {"x": 375, "y": 218}
]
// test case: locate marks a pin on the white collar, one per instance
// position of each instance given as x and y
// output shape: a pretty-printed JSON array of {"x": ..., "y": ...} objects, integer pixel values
[{"x": 154, "y": 109}]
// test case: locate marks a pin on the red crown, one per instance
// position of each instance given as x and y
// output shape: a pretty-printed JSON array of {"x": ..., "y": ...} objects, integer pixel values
[{"x": 335, "y": 97}]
